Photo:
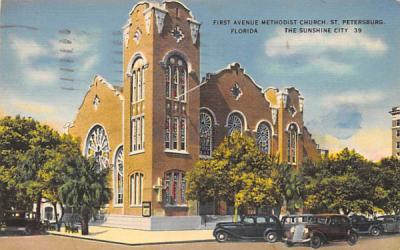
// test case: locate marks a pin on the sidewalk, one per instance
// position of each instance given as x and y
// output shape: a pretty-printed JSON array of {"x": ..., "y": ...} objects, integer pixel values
[{"x": 139, "y": 237}]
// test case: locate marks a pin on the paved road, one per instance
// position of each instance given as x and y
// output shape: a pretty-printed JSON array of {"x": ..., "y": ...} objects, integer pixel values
[{"x": 50, "y": 242}]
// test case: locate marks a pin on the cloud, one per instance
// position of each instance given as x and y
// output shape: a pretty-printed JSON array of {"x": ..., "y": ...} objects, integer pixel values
[
  {"x": 285, "y": 44},
  {"x": 359, "y": 97},
  {"x": 40, "y": 77},
  {"x": 342, "y": 121},
  {"x": 33, "y": 108},
  {"x": 89, "y": 62},
  {"x": 374, "y": 143},
  {"x": 27, "y": 49}
]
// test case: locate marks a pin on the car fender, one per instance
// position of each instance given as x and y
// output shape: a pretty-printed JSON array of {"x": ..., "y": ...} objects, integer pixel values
[
  {"x": 319, "y": 233},
  {"x": 277, "y": 230},
  {"x": 230, "y": 233}
]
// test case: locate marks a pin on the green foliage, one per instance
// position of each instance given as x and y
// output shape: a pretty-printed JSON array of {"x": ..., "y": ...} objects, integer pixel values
[
  {"x": 387, "y": 191},
  {"x": 85, "y": 188},
  {"x": 237, "y": 173},
  {"x": 341, "y": 182}
]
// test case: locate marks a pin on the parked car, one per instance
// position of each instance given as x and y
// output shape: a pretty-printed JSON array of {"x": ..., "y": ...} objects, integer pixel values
[
  {"x": 390, "y": 223},
  {"x": 320, "y": 229},
  {"x": 268, "y": 228},
  {"x": 22, "y": 220},
  {"x": 364, "y": 226}
]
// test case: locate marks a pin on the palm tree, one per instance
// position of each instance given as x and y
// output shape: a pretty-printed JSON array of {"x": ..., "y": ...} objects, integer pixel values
[{"x": 85, "y": 188}]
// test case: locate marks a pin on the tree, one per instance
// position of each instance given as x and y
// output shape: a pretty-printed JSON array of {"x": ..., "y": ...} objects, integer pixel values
[
  {"x": 291, "y": 185},
  {"x": 85, "y": 188},
  {"x": 24, "y": 148},
  {"x": 387, "y": 191},
  {"x": 53, "y": 172},
  {"x": 237, "y": 173},
  {"x": 339, "y": 183}
]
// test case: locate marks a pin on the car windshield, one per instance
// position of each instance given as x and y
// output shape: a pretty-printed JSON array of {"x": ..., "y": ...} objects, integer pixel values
[
  {"x": 318, "y": 220},
  {"x": 296, "y": 219}
]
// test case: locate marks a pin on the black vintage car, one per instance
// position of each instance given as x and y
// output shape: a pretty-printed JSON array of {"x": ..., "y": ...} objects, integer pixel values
[
  {"x": 364, "y": 226},
  {"x": 390, "y": 223},
  {"x": 319, "y": 229},
  {"x": 268, "y": 228}
]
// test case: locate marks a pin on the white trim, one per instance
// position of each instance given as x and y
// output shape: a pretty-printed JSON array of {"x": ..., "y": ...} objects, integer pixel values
[
  {"x": 130, "y": 188},
  {"x": 87, "y": 134},
  {"x": 179, "y": 53},
  {"x": 243, "y": 116},
  {"x": 212, "y": 114},
  {"x": 297, "y": 125},
  {"x": 114, "y": 174},
  {"x": 269, "y": 124},
  {"x": 134, "y": 57},
  {"x": 136, "y": 152},
  {"x": 183, "y": 5},
  {"x": 140, "y": 3},
  {"x": 174, "y": 151}
]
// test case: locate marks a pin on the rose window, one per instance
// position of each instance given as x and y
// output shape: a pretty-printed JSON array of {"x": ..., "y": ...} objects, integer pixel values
[{"x": 97, "y": 146}]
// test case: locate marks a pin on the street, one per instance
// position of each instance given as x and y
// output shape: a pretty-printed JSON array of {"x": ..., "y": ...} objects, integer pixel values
[{"x": 50, "y": 242}]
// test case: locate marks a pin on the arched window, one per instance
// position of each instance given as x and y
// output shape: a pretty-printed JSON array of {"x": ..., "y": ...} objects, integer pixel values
[
  {"x": 263, "y": 137},
  {"x": 206, "y": 133},
  {"x": 235, "y": 123},
  {"x": 136, "y": 189},
  {"x": 119, "y": 176},
  {"x": 137, "y": 81},
  {"x": 292, "y": 144},
  {"x": 97, "y": 146},
  {"x": 175, "y": 188},
  {"x": 176, "y": 78}
]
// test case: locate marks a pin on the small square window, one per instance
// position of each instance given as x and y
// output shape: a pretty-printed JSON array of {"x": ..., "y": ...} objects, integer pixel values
[
  {"x": 398, "y": 133},
  {"x": 398, "y": 145},
  {"x": 397, "y": 123}
]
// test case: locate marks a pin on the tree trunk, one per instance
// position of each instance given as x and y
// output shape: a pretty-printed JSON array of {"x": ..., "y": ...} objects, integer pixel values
[
  {"x": 38, "y": 207},
  {"x": 85, "y": 224},
  {"x": 61, "y": 217},
  {"x": 56, "y": 216}
]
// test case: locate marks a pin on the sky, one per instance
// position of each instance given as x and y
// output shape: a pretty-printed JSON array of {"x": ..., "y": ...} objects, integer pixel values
[{"x": 50, "y": 51}]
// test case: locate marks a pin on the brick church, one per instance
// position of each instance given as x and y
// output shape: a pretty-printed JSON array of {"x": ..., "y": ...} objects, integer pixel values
[{"x": 151, "y": 131}]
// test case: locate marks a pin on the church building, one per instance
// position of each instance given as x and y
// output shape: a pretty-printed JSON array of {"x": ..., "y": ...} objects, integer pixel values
[{"x": 151, "y": 131}]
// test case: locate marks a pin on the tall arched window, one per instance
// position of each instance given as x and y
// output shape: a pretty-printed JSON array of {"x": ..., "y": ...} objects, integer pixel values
[
  {"x": 137, "y": 81},
  {"x": 136, "y": 189},
  {"x": 235, "y": 123},
  {"x": 176, "y": 78},
  {"x": 175, "y": 188},
  {"x": 97, "y": 146},
  {"x": 137, "y": 99},
  {"x": 119, "y": 176},
  {"x": 206, "y": 133},
  {"x": 292, "y": 144},
  {"x": 263, "y": 137}
]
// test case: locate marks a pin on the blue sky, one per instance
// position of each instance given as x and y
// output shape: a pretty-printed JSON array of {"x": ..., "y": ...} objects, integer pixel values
[{"x": 349, "y": 81}]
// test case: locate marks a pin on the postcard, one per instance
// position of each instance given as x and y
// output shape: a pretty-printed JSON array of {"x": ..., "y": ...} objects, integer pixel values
[{"x": 183, "y": 124}]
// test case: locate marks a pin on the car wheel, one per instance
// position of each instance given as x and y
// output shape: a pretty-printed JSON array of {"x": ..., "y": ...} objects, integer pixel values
[
  {"x": 271, "y": 237},
  {"x": 315, "y": 241},
  {"x": 375, "y": 231},
  {"x": 221, "y": 236},
  {"x": 352, "y": 239}
]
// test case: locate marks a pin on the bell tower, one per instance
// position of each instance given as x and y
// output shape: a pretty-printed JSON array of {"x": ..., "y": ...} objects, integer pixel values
[{"x": 161, "y": 58}]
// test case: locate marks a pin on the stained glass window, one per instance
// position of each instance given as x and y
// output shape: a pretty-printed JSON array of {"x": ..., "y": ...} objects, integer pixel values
[
  {"x": 235, "y": 123},
  {"x": 176, "y": 78},
  {"x": 167, "y": 132},
  {"x": 206, "y": 127},
  {"x": 175, "y": 133},
  {"x": 97, "y": 146},
  {"x": 119, "y": 176},
  {"x": 183, "y": 134},
  {"x": 292, "y": 144},
  {"x": 263, "y": 137},
  {"x": 137, "y": 81},
  {"x": 175, "y": 188}
]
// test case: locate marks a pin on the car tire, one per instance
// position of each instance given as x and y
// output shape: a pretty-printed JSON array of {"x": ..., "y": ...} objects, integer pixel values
[
  {"x": 352, "y": 239},
  {"x": 315, "y": 241},
  {"x": 221, "y": 236},
  {"x": 271, "y": 237},
  {"x": 375, "y": 231}
]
